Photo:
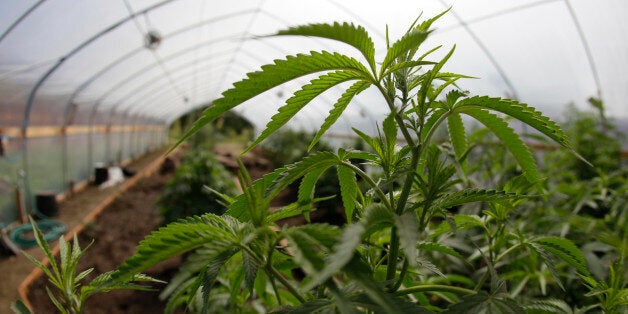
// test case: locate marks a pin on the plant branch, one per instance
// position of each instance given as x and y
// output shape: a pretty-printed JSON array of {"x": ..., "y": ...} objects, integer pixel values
[
  {"x": 402, "y": 275},
  {"x": 274, "y": 285},
  {"x": 507, "y": 251},
  {"x": 393, "y": 254},
  {"x": 270, "y": 270}
]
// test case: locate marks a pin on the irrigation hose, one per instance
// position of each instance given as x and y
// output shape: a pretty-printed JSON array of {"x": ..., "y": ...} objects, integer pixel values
[{"x": 24, "y": 237}]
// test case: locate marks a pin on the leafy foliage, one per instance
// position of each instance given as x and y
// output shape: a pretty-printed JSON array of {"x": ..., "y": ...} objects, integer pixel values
[
  {"x": 421, "y": 233},
  {"x": 68, "y": 294},
  {"x": 185, "y": 195}
]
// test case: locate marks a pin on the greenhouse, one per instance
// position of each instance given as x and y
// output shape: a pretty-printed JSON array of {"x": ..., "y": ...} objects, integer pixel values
[{"x": 315, "y": 156}]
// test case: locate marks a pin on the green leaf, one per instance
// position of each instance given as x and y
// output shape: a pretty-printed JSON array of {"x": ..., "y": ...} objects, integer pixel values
[
  {"x": 460, "y": 222},
  {"x": 521, "y": 112},
  {"x": 101, "y": 284},
  {"x": 405, "y": 65},
  {"x": 390, "y": 133},
  {"x": 83, "y": 274},
  {"x": 355, "y": 36},
  {"x": 209, "y": 275},
  {"x": 308, "y": 241},
  {"x": 408, "y": 231},
  {"x": 407, "y": 43},
  {"x": 436, "y": 247},
  {"x": 308, "y": 185},
  {"x": 41, "y": 266},
  {"x": 195, "y": 262},
  {"x": 457, "y": 134},
  {"x": 227, "y": 200},
  {"x": 341, "y": 300},
  {"x": 432, "y": 123},
  {"x": 296, "y": 209},
  {"x": 342, "y": 253},
  {"x": 550, "y": 306},
  {"x": 510, "y": 139},
  {"x": 273, "y": 75},
  {"x": 432, "y": 74},
  {"x": 377, "y": 300},
  {"x": 370, "y": 141},
  {"x": 292, "y": 172},
  {"x": 179, "y": 296},
  {"x": 338, "y": 108},
  {"x": 483, "y": 303},
  {"x": 56, "y": 302},
  {"x": 348, "y": 190},
  {"x": 377, "y": 217},
  {"x": 360, "y": 155},
  {"x": 239, "y": 209},
  {"x": 473, "y": 195},
  {"x": 18, "y": 307},
  {"x": 565, "y": 250},
  {"x": 425, "y": 25},
  {"x": 313, "y": 306},
  {"x": 65, "y": 262},
  {"x": 175, "y": 239},
  {"x": 250, "y": 266},
  {"x": 301, "y": 98},
  {"x": 43, "y": 244}
]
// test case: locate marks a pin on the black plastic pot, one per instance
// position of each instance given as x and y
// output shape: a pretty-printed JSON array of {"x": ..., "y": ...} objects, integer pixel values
[
  {"x": 47, "y": 203},
  {"x": 101, "y": 174}
]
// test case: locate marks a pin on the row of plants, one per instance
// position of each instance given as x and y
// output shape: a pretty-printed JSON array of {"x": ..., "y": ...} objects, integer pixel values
[{"x": 454, "y": 226}]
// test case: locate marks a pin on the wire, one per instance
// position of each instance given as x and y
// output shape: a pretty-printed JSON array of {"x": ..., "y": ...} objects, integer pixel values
[
  {"x": 258, "y": 9},
  {"x": 20, "y": 19},
  {"x": 160, "y": 62},
  {"x": 587, "y": 49},
  {"x": 497, "y": 14},
  {"x": 486, "y": 51}
]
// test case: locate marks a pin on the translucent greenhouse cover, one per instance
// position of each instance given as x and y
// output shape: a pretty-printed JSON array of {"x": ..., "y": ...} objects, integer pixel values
[{"x": 73, "y": 63}]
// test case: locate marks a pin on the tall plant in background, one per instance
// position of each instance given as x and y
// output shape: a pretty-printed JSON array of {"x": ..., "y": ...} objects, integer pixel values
[
  {"x": 381, "y": 259},
  {"x": 186, "y": 194}
]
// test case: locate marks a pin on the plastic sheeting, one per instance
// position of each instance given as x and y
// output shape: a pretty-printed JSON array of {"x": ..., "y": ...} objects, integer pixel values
[{"x": 79, "y": 83}]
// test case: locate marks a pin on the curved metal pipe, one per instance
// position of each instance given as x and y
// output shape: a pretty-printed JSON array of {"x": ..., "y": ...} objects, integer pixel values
[{"x": 20, "y": 19}]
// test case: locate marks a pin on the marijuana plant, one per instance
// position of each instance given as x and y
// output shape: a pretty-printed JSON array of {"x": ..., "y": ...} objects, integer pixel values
[
  {"x": 185, "y": 194},
  {"x": 382, "y": 260},
  {"x": 68, "y": 293}
]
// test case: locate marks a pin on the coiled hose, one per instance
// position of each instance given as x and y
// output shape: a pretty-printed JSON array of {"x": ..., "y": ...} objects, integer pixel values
[{"x": 24, "y": 237}]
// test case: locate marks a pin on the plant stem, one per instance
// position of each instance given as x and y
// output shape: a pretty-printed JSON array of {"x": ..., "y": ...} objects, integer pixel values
[
  {"x": 441, "y": 288},
  {"x": 272, "y": 283},
  {"x": 393, "y": 254},
  {"x": 272, "y": 271},
  {"x": 402, "y": 274},
  {"x": 407, "y": 186},
  {"x": 506, "y": 252}
]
